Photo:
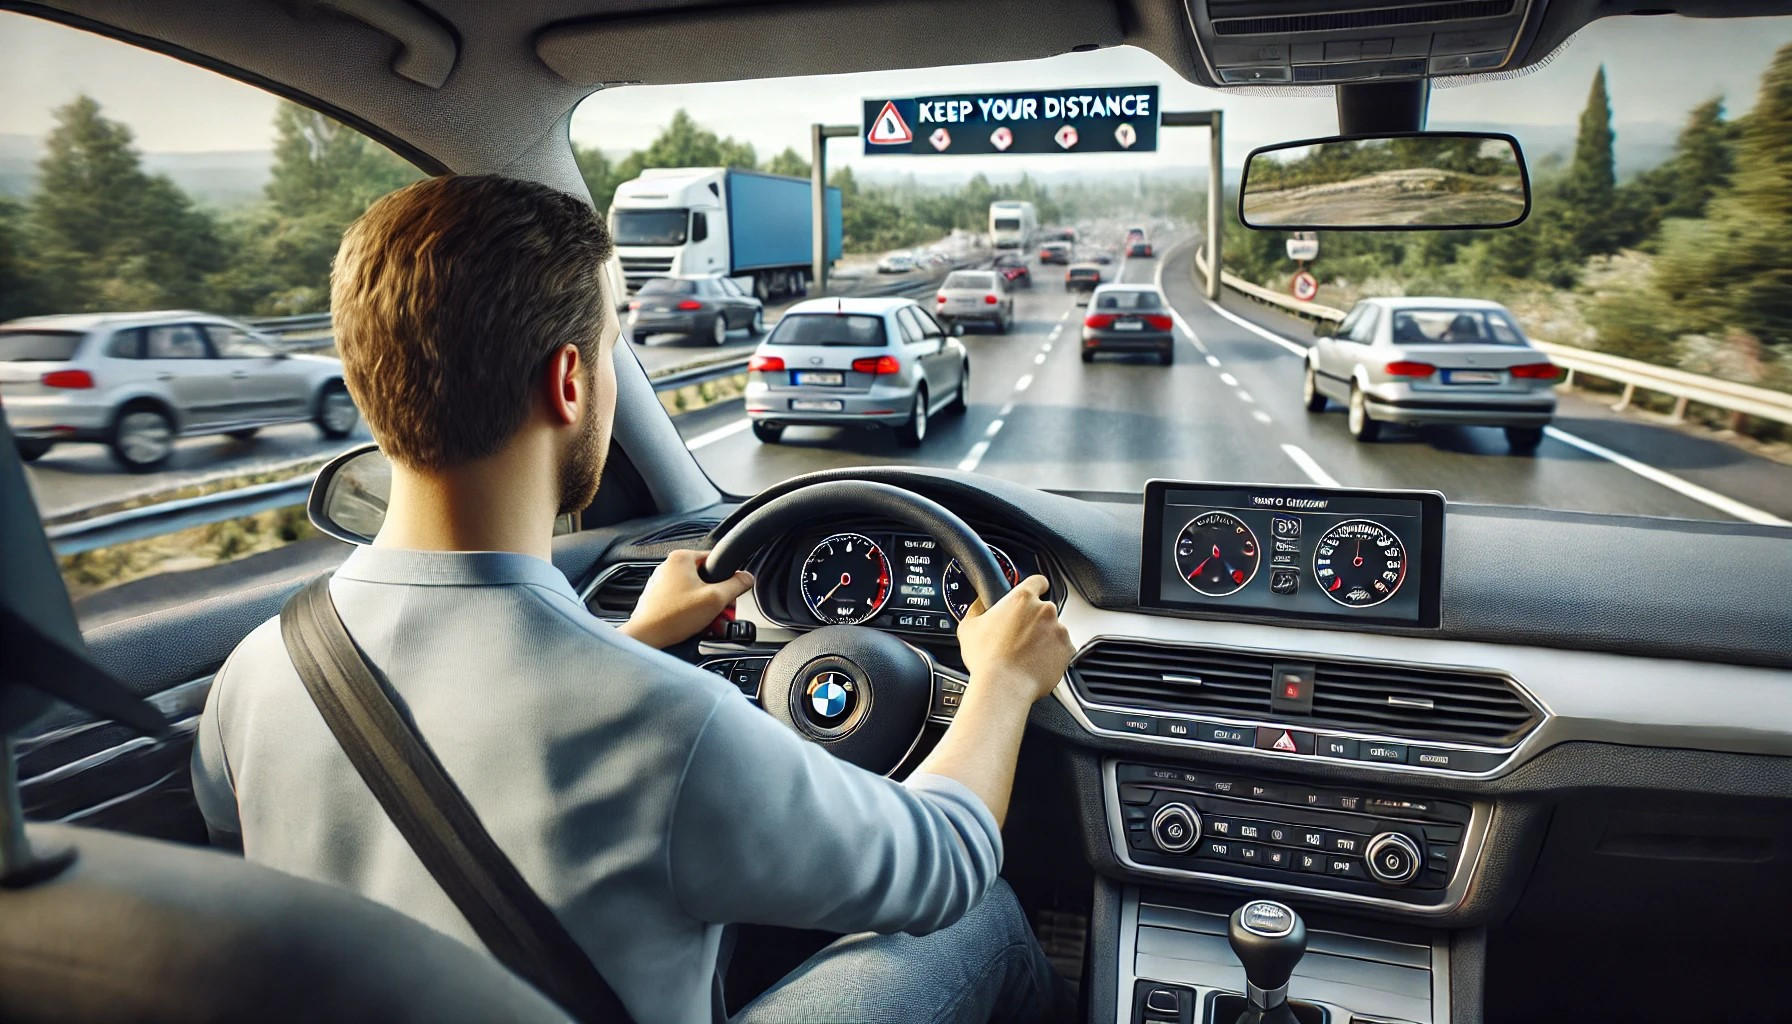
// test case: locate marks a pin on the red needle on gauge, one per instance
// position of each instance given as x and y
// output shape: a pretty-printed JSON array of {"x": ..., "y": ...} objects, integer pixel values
[
  {"x": 1358, "y": 560},
  {"x": 845, "y": 578},
  {"x": 1204, "y": 561}
]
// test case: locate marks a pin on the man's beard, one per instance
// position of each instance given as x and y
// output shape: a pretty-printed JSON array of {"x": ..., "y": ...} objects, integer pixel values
[{"x": 583, "y": 466}]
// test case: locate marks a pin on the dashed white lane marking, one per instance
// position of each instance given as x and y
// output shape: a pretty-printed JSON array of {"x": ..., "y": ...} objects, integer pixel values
[
  {"x": 1006, "y": 409},
  {"x": 1729, "y": 506},
  {"x": 1260, "y": 416},
  {"x": 974, "y": 456},
  {"x": 1245, "y": 395},
  {"x": 1230, "y": 380},
  {"x": 1309, "y": 466},
  {"x": 995, "y": 427},
  {"x": 1047, "y": 348},
  {"x": 1213, "y": 362},
  {"x": 1057, "y": 331},
  {"x": 1024, "y": 383},
  {"x": 1039, "y": 359},
  {"x": 1065, "y": 317},
  {"x": 711, "y": 437}
]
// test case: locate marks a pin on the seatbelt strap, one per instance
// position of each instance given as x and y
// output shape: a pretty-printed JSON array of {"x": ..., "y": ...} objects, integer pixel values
[{"x": 433, "y": 815}]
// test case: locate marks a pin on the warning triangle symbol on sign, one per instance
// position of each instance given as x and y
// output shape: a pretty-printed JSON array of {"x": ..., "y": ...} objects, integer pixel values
[
  {"x": 889, "y": 129},
  {"x": 1286, "y": 742}
]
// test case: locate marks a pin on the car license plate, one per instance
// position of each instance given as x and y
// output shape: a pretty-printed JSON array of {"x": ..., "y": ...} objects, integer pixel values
[
  {"x": 816, "y": 404},
  {"x": 830, "y": 378},
  {"x": 1471, "y": 377},
  {"x": 1128, "y": 325}
]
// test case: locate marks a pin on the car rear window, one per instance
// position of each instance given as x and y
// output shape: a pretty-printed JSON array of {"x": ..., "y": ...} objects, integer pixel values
[
  {"x": 1455, "y": 327},
  {"x": 961, "y": 279},
  {"x": 667, "y": 286},
  {"x": 1127, "y": 300},
  {"x": 1084, "y": 272},
  {"x": 845, "y": 330},
  {"x": 38, "y": 346}
]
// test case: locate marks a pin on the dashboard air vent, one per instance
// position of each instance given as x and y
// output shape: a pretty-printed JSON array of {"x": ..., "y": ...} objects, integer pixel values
[
  {"x": 1378, "y": 17},
  {"x": 689, "y": 529},
  {"x": 1379, "y": 700},
  {"x": 615, "y": 597}
]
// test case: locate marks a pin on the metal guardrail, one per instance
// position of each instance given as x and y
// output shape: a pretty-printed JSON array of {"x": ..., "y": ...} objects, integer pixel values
[
  {"x": 1635, "y": 375},
  {"x": 290, "y": 324}
]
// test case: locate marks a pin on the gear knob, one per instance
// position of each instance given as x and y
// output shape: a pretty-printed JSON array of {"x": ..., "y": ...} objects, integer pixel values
[{"x": 1269, "y": 938}]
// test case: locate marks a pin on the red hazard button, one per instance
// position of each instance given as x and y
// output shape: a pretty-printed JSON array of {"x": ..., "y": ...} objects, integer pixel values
[{"x": 1288, "y": 741}]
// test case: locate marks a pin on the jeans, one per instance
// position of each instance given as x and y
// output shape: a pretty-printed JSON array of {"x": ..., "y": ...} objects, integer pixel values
[{"x": 985, "y": 967}]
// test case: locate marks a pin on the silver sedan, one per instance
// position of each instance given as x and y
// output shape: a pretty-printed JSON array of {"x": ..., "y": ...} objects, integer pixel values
[{"x": 1432, "y": 360}]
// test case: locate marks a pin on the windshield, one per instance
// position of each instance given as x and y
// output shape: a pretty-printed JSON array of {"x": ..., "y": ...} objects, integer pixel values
[
  {"x": 986, "y": 282},
  {"x": 668, "y": 286},
  {"x": 1453, "y": 327},
  {"x": 1127, "y": 300},
  {"x": 1007, "y": 223},
  {"x": 849, "y": 330},
  {"x": 650, "y": 227},
  {"x": 37, "y": 346}
]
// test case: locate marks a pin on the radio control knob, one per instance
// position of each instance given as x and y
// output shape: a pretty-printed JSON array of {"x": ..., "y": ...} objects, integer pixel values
[
  {"x": 1393, "y": 859},
  {"x": 1176, "y": 828}
]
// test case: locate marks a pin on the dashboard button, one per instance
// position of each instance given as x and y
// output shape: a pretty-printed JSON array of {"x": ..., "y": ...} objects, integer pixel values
[
  {"x": 1443, "y": 833},
  {"x": 1276, "y": 858},
  {"x": 1143, "y": 725},
  {"x": 1178, "y": 729},
  {"x": 1313, "y": 838},
  {"x": 1293, "y": 688},
  {"x": 1283, "y": 834},
  {"x": 1251, "y": 830},
  {"x": 1344, "y": 867},
  {"x": 1312, "y": 863},
  {"x": 1349, "y": 803},
  {"x": 1231, "y": 735},
  {"x": 1135, "y": 794},
  {"x": 1453, "y": 760},
  {"x": 1222, "y": 786},
  {"x": 1344, "y": 842},
  {"x": 1219, "y": 849},
  {"x": 1248, "y": 854},
  {"x": 1222, "y": 827},
  {"x": 1265, "y": 791},
  {"x": 1287, "y": 741},
  {"x": 1403, "y": 807},
  {"x": 1387, "y": 753},
  {"x": 721, "y": 668},
  {"x": 1338, "y": 746}
]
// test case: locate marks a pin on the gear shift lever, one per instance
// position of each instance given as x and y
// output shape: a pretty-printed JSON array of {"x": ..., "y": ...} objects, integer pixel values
[{"x": 1270, "y": 939}]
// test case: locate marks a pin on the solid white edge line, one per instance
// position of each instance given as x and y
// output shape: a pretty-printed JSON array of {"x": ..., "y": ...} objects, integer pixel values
[
  {"x": 711, "y": 437},
  {"x": 1157, "y": 280},
  {"x": 1310, "y": 466},
  {"x": 1728, "y": 506},
  {"x": 1235, "y": 318},
  {"x": 974, "y": 456}
]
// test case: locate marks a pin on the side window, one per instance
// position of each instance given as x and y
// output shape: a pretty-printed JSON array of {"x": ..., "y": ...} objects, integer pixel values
[
  {"x": 732, "y": 289},
  {"x": 929, "y": 326},
  {"x": 174, "y": 341},
  {"x": 911, "y": 328},
  {"x": 1351, "y": 319},
  {"x": 1364, "y": 330},
  {"x": 126, "y": 344},
  {"x": 699, "y": 227},
  {"x": 235, "y": 343}
]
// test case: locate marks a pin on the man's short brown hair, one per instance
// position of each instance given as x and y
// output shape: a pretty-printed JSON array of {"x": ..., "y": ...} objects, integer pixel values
[{"x": 449, "y": 296}]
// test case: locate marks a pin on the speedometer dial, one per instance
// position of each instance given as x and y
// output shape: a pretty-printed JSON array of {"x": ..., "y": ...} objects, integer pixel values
[
  {"x": 1217, "y": 554},
  {"x": 960, "y": 595},
  {"x": 1359, "y": 563},
  {"x": 846, "y": 579}
]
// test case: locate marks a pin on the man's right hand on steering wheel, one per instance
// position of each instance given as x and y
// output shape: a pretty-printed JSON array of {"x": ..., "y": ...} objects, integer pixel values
[{"x": 1019, "y": 646}]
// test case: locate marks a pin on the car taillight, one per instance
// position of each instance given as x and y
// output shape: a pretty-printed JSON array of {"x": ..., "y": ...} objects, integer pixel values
[
  {"x": 634, "y": 305},
  {"x": 877, "y": 366},
  {"x": 690, "y": 304},
  {"x": 1409, "y": 368},
  {"x": 765, "y": 364},
  {"x": 1537, "y": 371},
  {"x": 1159, "y": 322},
  {"x": 942, "y": 298},
  {"x": 990, "y": 300},
  {"x": 1099, "y": 321},
  {"x": 72, "y": 379}
]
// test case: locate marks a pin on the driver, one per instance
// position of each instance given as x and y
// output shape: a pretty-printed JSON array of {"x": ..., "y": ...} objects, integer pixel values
[{"x": 641, "y": 797}]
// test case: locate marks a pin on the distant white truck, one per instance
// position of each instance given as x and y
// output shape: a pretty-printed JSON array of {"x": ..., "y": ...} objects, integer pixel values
[
  {"x": 747, "y": 225},
  {"x": 1012, "y": 223}
]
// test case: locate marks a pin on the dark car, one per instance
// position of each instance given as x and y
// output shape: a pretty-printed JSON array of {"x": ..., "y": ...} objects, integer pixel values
[
  {"x": 1083, "y": 277},
  {"x": 1139, "y": 250},
  {"x": 1129, "y": 318},
  {"x": 1056, "y": 252},
  {"x": 1014, "y": 270},
  {"x": 705, "y": 307}
]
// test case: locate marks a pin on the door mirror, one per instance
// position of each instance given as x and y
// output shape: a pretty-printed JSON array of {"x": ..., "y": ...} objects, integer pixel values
[
  {"x": 349, "y": 497},
  {"x": 1325, "y": 328},
  {"x": 1423, "y": 181}
]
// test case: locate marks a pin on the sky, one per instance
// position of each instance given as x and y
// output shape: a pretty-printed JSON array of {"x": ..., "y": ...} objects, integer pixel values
[{"x": 1658, "y": 68}]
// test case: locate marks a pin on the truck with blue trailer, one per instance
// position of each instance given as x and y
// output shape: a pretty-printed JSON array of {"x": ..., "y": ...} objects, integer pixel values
[{"x": 748, "y": 225}]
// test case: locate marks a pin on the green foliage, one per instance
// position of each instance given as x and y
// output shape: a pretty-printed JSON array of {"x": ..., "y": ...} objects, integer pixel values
[
  {"x": 789, "y": 162},
  {"x": 21, "y": 293},
  {"x": 1589, "y": 190}
]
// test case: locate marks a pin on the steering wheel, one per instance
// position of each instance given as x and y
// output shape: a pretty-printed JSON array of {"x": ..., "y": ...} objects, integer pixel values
[{"x": 860, "y": 692}]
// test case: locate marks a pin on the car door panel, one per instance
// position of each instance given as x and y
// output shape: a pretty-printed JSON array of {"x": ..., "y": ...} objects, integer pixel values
[{"x": 178, "y": 358}]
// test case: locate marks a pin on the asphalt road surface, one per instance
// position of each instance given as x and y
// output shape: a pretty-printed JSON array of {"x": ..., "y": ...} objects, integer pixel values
[{"x": 1229, "y": 409}]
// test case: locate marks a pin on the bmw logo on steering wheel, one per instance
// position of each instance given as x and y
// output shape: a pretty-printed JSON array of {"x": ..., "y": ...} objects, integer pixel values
[{"x": 831, "y": 696}]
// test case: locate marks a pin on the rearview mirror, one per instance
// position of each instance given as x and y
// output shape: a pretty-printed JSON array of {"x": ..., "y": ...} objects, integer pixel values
[
  {"x": 348, "y": 498},
  {"x": 1424, "y": 181}
]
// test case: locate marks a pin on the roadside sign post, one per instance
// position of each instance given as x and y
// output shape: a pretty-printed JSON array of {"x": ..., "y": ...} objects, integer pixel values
[
  {"x": 819, "y": 134},
  {"x": 1214, "y": 122}
]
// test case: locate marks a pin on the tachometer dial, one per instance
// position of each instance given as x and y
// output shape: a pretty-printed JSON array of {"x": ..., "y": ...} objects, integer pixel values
[
  {"x": 1217, "y": 554},
  {"x": 1359, "y": 563},
  {"x": 846, "y": 579},
  {"x": 960, "y": 595}
]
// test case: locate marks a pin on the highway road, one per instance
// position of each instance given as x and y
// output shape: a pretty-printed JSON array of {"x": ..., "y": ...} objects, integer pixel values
[{"x": 1230, "y": 409}]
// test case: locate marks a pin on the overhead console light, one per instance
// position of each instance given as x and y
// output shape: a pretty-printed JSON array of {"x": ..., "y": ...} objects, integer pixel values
[{"x": 1259, "y": 42}]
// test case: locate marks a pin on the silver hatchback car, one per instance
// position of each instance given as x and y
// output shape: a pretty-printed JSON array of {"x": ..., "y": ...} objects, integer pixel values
[
  {"x": 975, "y": 297},
  {"x": 856, "y": 362},
  {"x": 138, "y": 381},
  {"x": 1432, "y": 360}
]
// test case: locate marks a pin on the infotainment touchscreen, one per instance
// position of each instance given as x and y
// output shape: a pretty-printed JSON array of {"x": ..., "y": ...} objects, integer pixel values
[{"x": 1294, "y": 552}]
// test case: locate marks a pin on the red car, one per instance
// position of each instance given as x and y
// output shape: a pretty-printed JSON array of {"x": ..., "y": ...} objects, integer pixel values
[{"x": 1015, "y": 271}]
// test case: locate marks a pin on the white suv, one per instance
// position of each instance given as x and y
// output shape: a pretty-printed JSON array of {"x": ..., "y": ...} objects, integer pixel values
[{"x": 138, "y": 381}]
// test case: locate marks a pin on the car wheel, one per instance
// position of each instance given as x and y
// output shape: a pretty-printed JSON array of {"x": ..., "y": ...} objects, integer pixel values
[
  {"x": 143, "y": 438},
  {"x": 912, "y": 433},
  {"x": 719, "y": 332},
  {"x": 1088, "y": 355},
  {"x": 1524, "y": 439},
  {"x": 1309, "y": 391},
  {"x": 961, "y": 399},
  {"x": 757, "y": 327},
  {"x": 31, "y": 450},
  {"x": 244, "y": 434},
  {"x": 1363, "y": 426},
  {"x": 336, "y": 412},
  {"x": 769, "y": 433}
]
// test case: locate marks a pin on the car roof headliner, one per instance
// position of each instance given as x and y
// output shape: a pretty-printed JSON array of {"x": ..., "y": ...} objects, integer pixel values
[{"x": 516, "y": 70}]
